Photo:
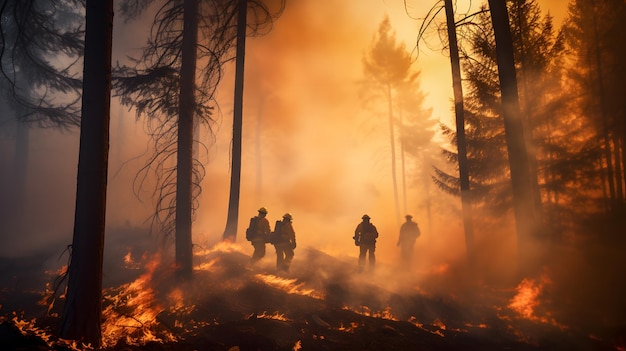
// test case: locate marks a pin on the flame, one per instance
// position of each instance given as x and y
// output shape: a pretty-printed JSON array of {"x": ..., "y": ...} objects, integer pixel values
[
  {"x": 438, "y": 323},
  {"x": 526, "y": 301},
  {"x": 288, "y": 285},
  {"x": 207, "y": 266},
  {"x": 222, "y": 247},
  {"x": 275, "y": 316},
  {"x": 131, "y": 312},
  {"x": 420, "y": 325},
  {"x": 128, "y": 258},
  {"x": 350, "y": 329},
  {"x": 29, "y": 328},
  {"x": 298, "y": 345},
  {"x": 366, "y": 311}
]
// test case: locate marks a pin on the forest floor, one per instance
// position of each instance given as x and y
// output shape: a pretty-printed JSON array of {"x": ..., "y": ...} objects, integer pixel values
[{"x": 322, "y": 304}]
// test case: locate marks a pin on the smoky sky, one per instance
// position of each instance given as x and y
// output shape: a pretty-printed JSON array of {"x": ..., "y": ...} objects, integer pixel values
[{"x": 310, "y": 145}]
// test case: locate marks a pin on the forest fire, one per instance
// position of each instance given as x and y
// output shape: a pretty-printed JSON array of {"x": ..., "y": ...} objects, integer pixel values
[
  {"x": 130, "y": 311},
  {"x": 228, "y": 303},
  {"x": 527, "y": 300}
]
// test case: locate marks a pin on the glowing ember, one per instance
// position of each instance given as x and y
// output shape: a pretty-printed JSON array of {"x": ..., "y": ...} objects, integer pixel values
[
  {"x": 297, "y": 346},
  {"x": 420, "y": 325},
  {"x": 350, "y": 329},
  {"x": 525, "y": 301},
  {"x": 29, "y": 328},
  {"x": 207, "y": 266},
  {"x": 275, "y": 316},
  {"x": 366, "y": 311},
  {"x": 222, "y": 247},
  {"x": 288, "y": 285}
]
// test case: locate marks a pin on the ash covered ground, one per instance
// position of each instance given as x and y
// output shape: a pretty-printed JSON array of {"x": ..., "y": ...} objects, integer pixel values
[{"x": 322, "y": 304}]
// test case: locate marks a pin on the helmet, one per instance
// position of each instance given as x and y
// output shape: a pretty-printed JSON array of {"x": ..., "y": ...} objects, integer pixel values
[
  {"x": 288, "y": 216},
  {"x": 365, "y": 217},
  {"x": 263, "y": 210},
  {"x": 408, "y": 216}
]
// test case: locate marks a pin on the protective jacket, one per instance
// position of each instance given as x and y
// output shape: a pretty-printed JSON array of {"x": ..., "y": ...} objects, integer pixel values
[
  {"x": 409, "y": 231},
  {"x": 262, "y": 232},
  {"x": 284, "y": 233},
  {"x": 365, "y": 234}
]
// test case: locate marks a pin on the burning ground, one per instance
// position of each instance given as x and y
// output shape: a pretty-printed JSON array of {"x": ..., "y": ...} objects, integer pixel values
[{"x": 323, "y": 304}]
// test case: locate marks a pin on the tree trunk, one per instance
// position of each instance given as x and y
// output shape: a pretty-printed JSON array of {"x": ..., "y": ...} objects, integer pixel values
[
  {"x": 604, "y": 116},
  {"x": 466, "y": 200},
  {"x": 82, "y": 314},
  {"x": 402, "y": 162},
  {"x": 230, "y": 232},
  {"x": 257, "y": 148},
  {"x": 513, "y": 126},
  {"x": 184, "y": 166},
  {"x": 527, "y": 123},
  {"x": 393, "y": 154}
]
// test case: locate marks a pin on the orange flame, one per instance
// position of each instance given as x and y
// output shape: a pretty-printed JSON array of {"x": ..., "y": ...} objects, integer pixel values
[
  {"x": 288, "y": 285},
  {"x": 30, "y": 328},
  {"x": 526, "y": 301},
  {"x": 132, "y": 312},
  {"x": 275, "y": 316}
]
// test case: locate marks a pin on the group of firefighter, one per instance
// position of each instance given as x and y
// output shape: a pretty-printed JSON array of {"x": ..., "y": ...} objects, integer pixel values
[{"x": 283, "y": 237}]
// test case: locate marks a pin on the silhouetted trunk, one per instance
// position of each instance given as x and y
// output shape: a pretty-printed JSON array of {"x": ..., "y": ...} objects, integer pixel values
[
  {"x": 604, "y": 117},
  {"x": 257, "y": 148},
  {"x": 466, "y": 200},
  {"x": 530, "y": 143},
  {"x": 184, "y": 165},
  {"x": 513, "y": 126},
  {"x": 230, "y": 233},
  {"x": 82, "y": 314},
  {"x": 393, "y": 153},
  {"x": 402, "y": 162}
]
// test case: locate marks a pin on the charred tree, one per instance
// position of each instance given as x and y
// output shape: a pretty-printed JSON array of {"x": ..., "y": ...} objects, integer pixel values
[
  {"x": 464, "y": 181},
  {"x": 514, "y": 129},
  {"x": 82, "y": 313},
  {"x": 153, "y": 87},
  {"x": 230, "y": 233},
  {"x": 184, "y": 254}
]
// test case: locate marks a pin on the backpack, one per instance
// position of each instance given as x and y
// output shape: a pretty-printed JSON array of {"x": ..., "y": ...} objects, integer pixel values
[
  {"x": 275, "y": 236},
  {"x": 368, "y": 234},
  {"x": 251, "y": 232}
]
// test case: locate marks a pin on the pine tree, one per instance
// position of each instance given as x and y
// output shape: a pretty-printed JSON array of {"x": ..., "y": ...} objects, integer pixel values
[{"x": 387, "y": 67}]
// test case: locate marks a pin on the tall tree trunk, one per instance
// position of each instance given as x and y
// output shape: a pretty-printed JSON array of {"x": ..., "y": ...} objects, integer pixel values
[
  {"x": 393, "y": 154},
  {"x": 230, "y": 233},
  {"x": 257, "y": 148},
  {"x": 513, "y": 126},
  {"x": 184, "y": 165},
  {"x": 83, "y": 307},
  {"x": 466, "y": 200},
  {"x": 603, "y": 114},
  {"x": 527, "y": 123},
  {"x": 402, "y": 162}
]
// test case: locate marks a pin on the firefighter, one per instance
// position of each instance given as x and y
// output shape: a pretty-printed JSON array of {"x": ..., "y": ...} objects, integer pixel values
[
  {"x": 258, "y": 234},
  {"x": 409, "y": 232},
  {"x": 365, "y": 237},
  {"x": 284, "y": 241}
]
